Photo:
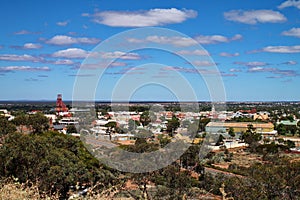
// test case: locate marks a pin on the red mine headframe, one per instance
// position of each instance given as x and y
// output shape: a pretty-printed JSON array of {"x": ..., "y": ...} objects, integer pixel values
[{"x": 60, "y": 106}]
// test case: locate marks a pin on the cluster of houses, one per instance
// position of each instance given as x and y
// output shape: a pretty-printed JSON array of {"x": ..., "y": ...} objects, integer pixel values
[
  {"x": 221, "y": 122},
  {"x": 159, "y": 123}
]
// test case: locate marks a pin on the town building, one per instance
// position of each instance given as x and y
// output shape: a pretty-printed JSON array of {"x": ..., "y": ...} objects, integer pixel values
[{"x": 266, "y": 129}]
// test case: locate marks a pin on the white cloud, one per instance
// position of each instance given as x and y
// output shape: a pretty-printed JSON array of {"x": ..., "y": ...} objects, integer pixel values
[
  {"x": 292, "y": 32},
  {"x": 23, "y": 68},
  {"x": 274, "y": 71},
  {"x": 261, "y": 69},
  {"x": 290, "y": 3},
  {"x": 252, "y": 64},
  {"x": 67, "y": 40},
  {"x": 25, "y": 32},
  {"x": 281, "y": 49},
  {"x": 153, "y": 17},
  {"x": 28, "y": 46},
  {"x": 63, "y": 23},
  {"x": 31, "y": 79},
  {"x": 196, "y": 52},
  {"x": 121, "y": 55},
  {"x": 225, "y": 54},
  {"x": 176, "y": 41},
  {"x": 228, "y": 75},
  {"x": 213, "y": 39},
  {"x": 185, "y": 41},
  {"x": 255, "y": 67},
  {"x": 118, "y": 64},
  {"x": 63, "y": 62},
  {"x": 255, "y": 16},
  {"x": 32, "y": 46},
  {"x": 275, "y": 77},
  {"x": 235, "y": 70},
  {"x": 71, "y": 53},
  {"x": 98, "y": 65},
  {"x": 290, "y": 62},
  {"x": 203, "y": 63},
  {"x": 25, "y": 57}
]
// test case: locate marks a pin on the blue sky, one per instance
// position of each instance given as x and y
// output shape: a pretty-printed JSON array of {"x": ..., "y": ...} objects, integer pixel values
[{"x": 253, "y": 44}]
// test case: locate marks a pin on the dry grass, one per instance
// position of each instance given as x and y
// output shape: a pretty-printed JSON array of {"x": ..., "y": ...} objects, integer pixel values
[{"x": 13, "y": 191}]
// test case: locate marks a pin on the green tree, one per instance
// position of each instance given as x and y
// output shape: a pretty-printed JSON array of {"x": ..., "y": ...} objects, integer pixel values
[
  {"x": 163, "y": 140},
  {"x": 172, "y": 125},
  {"x": 111, "y": 125},
  {"x": 290, "y": 144},
  {"x": 38, "y": 122},
  {"x": 71, "y": 129},
  {"x": 132, "y": 124},
  {"x": 6, "y": 126},
  {"x": 52, "y": 161},
  {"x": 190, "y": 158},
  {"x": 173, "y": 183},
  {"x": 251, "y": 137},
  {"x": 202, "y": 123},
  {"x": 281, "y": 129},
  {"x": 272, "y": 148},
  {"x": 231, "y": 132},
  {"x": 145, "y": 118},
  {"x": 141, "y": 146},
  {"x": 220, "y": 140}
]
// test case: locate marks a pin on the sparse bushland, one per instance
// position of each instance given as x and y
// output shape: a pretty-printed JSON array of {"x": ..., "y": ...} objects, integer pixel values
[
  {"x": 50, "y": 165},
  {"x": 52, "y": 161}
]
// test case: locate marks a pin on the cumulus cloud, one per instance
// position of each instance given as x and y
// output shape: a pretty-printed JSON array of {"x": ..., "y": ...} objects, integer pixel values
[
  {"x": 225, "y": 54},
  {"x": 185, "y": 41},
  {"x": 63, "y": 23},
  {"x": 98, "y": 65},
  {"x": 280, "y": 49},
  {"x": 68, "y": 40},
  {"x": 191, "y": 70},
  {"x": 25, "y": 32},
  {"x": 290, "y": 62},
  {"x": 180, "y": 69},
  {"x": 43, "y": 76},
  {"x": 213, "y": 39},
  {"x": 121, "y": 55},
  {"x": 256, "y": 67},
  {"x": 286, "y": 72},
  {"x": 203, "y": 63},
  {"x": 23, "y": 68},
  {"x": 32, "y": 46},
  {"x": 228, "y": 75},
  {"x": 28, "y": 46},
  {"x": 14, "y": 57},
  {"x": 196, "y": 52},
  {"x": 290, "y": 3},
  {"x": 235, "y": 70},
  {"x": 252, "y": 64},
  {"x": 176, "y": 41},
  {"x": 261, "y": 69},
  {"x": 31, "y": 79},
  {"x": 71, "y": 53},
  {"x": 274, "y": 77},
  {"x": 62, "y": 62},
  {"x": 255, "y": 16},
  {"x": 82, "y": 75},
  {"x": 152, "y": 17},
  {"x": 295, "y": 32}
]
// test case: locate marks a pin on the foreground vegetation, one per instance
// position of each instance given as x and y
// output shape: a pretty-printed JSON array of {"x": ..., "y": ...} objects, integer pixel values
[
  {"x": 43, "y": 164},
  {"x": 54, "y": 165}
]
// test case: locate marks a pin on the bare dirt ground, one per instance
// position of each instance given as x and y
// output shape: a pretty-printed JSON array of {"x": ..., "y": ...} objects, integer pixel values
[{"x": 245, "y": 159}]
